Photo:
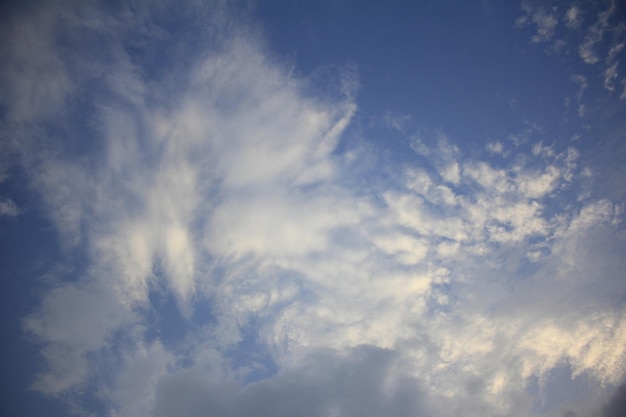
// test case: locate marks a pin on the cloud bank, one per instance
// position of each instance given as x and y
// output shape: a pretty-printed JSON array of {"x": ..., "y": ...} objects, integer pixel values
[{"x": 235, "y": 260}]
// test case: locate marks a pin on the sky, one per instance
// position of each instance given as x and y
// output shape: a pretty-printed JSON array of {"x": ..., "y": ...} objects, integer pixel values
[{"x": 331, "y": 208}]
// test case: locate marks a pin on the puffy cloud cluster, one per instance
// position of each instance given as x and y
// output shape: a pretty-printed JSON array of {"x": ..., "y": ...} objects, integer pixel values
[{"x": 215, "y": 179}]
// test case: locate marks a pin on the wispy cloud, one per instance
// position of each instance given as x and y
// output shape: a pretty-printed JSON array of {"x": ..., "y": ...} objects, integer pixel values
[
  {"x": 541, "y": 17},
  {"x": 396, "y": 120},
  {"x": 609, "y": 76},
  {"x": 39, "y": 81},
  {"x": 8, "y": 208},
  {"x": 572, "y": 17},
  {"x": 595, "y": 34}
]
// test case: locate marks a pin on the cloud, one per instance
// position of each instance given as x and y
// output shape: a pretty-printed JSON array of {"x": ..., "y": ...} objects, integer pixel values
[
  {"x": 215, "y": 179},
  {"x": 542, "y": 18},
  {"x": 8, "y": 208},
  {"x": 594, "y": 35},
  {"x": 593, "y": 32},
  {"x": 397, "y": 121},
  {"x": 545, "y": 26},
  {"x": 71, "y": 322},
  {"x": 615, "y": 406},
  {"x": 609, "y": 76},
  {"x": 572, "y": 17},
  {"x": 134, "y": 388},
  {"x": 581, "y": 80},
  {"x": 364, "y": 381},
  {"x": 495, "y": 147},
  {"x": 39, "y": 83},
  {"x": 615, "y": 50}
]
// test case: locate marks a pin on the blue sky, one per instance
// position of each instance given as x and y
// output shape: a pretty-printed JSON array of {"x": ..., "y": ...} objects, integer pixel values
[{"x": 332, "y": 208}]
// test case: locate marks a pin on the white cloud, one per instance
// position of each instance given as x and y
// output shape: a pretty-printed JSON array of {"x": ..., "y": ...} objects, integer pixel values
[
  {"x": 543, "y": 18},
  {"x": 581, "y": 80},
  {"x": 487, "y": 177},
  {"x": 8, "y": 207},
  {"x": 397, "y": 121},
  {"x": 587, "y": 53},
  {"x": 495, "y": 147},
  {"x": 546, "y": 23},
  {"x": 603, "y": 38},
  {"x": 72, "y": 321},
  {"x": 408, "y": 249},
  {"x": 135, "y": 385},
  {"x": 595, "y": 34},
  {"x": 610, "y": 75},
  {"x": 579, "y": 335},
  {"x": 38, "y": 80},
  {"x": 451, "y": 173},
  {"x": 615, "y": 50},
  {"x": 572, "y": 17},
  {"x": 538, "y": 185}
]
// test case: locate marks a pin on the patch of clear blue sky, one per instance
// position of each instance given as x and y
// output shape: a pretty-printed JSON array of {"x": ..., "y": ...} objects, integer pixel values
[
  {"x": 460, "y": 66},
  {"x": 28, "y": 249}
]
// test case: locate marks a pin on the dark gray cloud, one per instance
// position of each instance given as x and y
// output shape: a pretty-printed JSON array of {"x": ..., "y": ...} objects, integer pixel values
[
  {"x": 616, "y": 407},
  {"x": 360, "y": 382}
]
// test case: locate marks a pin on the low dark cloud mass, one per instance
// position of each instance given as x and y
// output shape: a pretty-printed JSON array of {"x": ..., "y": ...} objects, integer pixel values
[
  {"x": 363, "y": 381},
  {"x": 616, "y": 407}
]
